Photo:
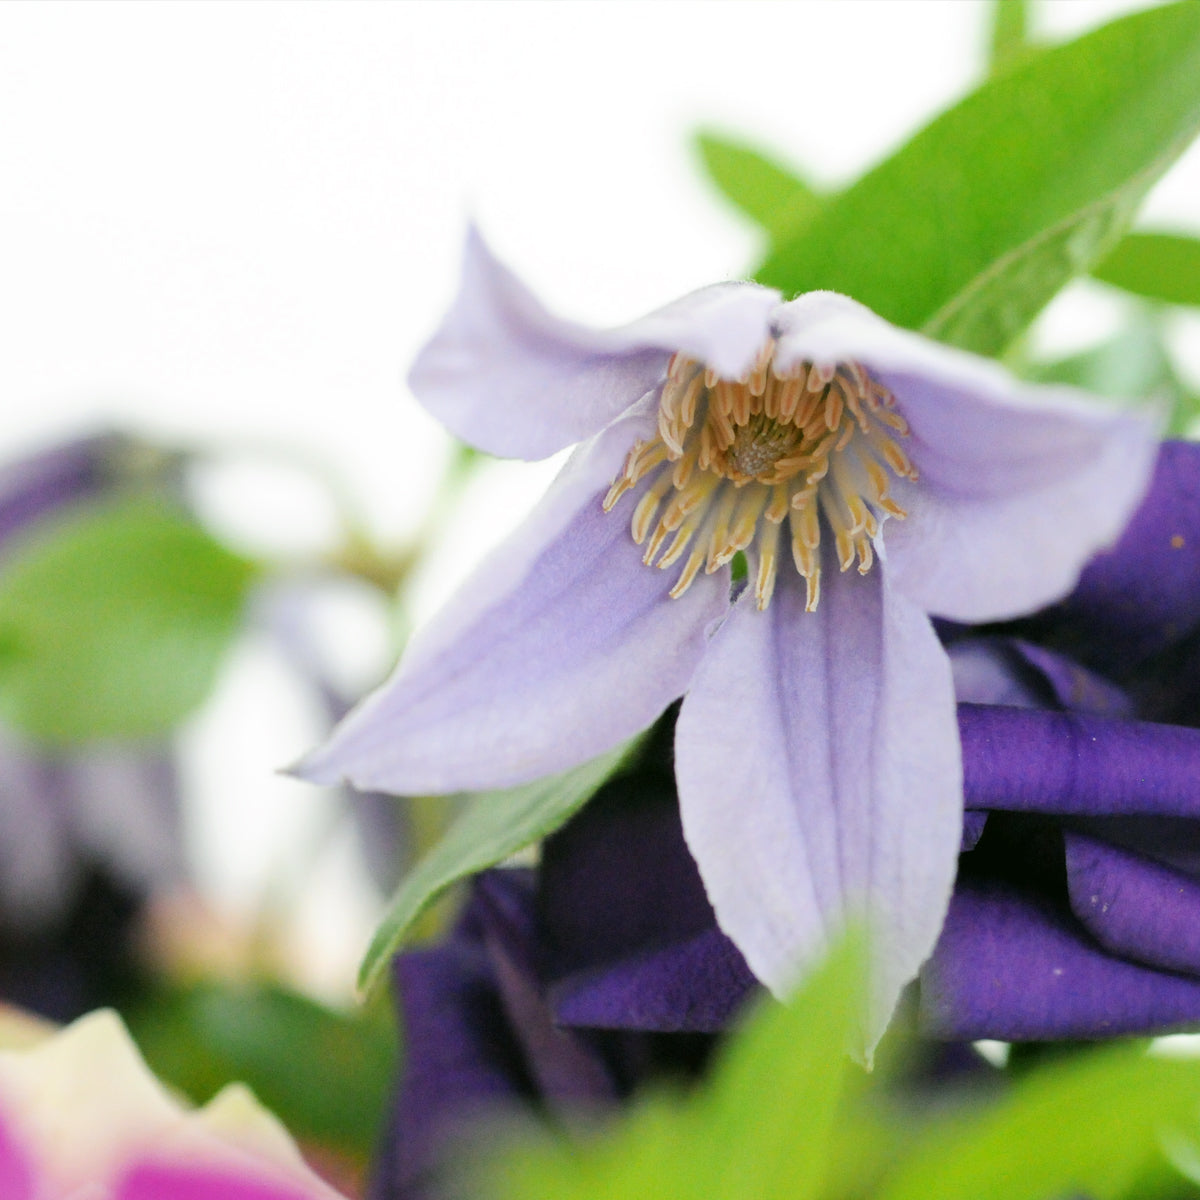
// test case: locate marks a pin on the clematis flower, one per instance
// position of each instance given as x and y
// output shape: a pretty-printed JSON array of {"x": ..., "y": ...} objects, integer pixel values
[
  {"x": 869, "y": 477},
  {"x": 1077, "y": 900},
  {"x": 80, "y": 1115}
]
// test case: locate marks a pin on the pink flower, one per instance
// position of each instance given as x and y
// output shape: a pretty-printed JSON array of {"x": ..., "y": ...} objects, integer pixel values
[{"x": 82, "y": 1118}]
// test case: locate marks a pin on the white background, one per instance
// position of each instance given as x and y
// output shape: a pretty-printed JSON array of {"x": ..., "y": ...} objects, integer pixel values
[{"x": 222, "y": 223}]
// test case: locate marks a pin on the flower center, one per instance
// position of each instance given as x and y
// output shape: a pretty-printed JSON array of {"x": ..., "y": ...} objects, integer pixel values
[{"x": 736, "y": 458}]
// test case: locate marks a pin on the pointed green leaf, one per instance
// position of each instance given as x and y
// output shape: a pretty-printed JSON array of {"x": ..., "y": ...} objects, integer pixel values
[
  {"x": 769, "y": 194},
  {"x": 1159, "y": 266},
  {"x": 1084, "y": 1126},
  {"x": 492, "y": 826},
  {"x": 113, "y": 621},
  {"x": 967, "y": 231}
]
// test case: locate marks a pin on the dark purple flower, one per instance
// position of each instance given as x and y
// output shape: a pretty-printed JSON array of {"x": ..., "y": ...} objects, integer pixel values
[{"x": 483, "y": 1039}]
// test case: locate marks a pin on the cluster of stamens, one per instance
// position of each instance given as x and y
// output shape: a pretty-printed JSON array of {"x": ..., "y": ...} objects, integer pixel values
[{"x": 734, "y": 459}]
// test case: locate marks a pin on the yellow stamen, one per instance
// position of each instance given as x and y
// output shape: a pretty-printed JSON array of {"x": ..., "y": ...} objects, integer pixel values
[{"x": 816, "y": 445}]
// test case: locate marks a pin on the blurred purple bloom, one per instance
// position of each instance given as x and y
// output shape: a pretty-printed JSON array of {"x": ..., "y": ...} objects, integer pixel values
[
  {"x": 817, "y": 759},
  {"x": 482, "y": 1040},
  {"x": 85, "y": 834}
]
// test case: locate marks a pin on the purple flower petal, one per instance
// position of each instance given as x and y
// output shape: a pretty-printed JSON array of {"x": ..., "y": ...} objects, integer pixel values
[
  {"x": 1137, "y": 598},
  {"x": 1133, "y": 906},
  {"x": 820, "y": 781},
  {"x": 1028, "y": 760},
  {"x": 566, "y": 1071},
  {"x": 696, "y": 984},
  {"x": 562, "y": 645},
  {"x": 505, "y": 375},
  {"x": 1015, "y": 966},
  {"x": 973, "y": 826},
  {"x": 631, "y": 939},
  {"x": 1019, "y": 486},
  {"x": 16, "y": 1171}
]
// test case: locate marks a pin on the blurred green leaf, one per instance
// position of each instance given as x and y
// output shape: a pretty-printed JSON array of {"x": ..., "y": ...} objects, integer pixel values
[
  {"x": 768, "y": 193},
  {"x": 1010, "y": 42},
  {"x": 1134, "y": 364},
  {"x": 325, "y": 1074},
  {"x": 968, "y": 230},
  {"x": 1158, "y": 266},
  {"x": 759, "y": 1130},
  {"x": 492, "y": 826},
  {"x": 113, "y": 621},
  {"x": 1090, "y": 1126}
]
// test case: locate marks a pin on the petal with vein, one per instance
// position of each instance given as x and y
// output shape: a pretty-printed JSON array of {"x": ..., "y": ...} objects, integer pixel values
[
  {"x": 1019, "y": 486},
  {"x": 562, "y": 645},
  {"x": 507, "y": 376},
  {"x": 820, "y": 781}
]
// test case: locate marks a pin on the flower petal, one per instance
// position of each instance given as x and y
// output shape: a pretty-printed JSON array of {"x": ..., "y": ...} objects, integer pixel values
[
  {"x": 157, "y": 1182},
  {"x": 694, "y": 985},
  {"x": 1137, "y": 598},
  {"x": 1133, "y": 906},
  {"x": 1019, "y": 486},
  {"x": 16, "y": 1170},
  {"x": 508, "y": 377},
  {"x": 1027, "y": 760},
  {"x": 820, "y": 780},
  {"x": 1017, "y": 967},
  {"x": 631, "y": 939},
  {"x": 562, "y": 645}
]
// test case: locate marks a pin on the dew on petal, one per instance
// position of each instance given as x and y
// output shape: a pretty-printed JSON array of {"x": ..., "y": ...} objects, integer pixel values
[{"x": 815, "y": 446}]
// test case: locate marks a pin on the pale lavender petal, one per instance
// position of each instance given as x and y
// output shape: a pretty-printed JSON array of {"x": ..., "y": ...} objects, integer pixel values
[
  {"x": 1018, "y": 967},
  {"x": 16, "y": 1170},
  {"x": 1019, "y": 486},
  {"x": 561, "y": 646},
  {"x": 507, "y": 376},
  {"x": 1133, "y": 906},
  {"x": 1074, "y": 687},
  {"x": 1027, "y": 760},
  {"x": 820, "y": 781},
  {"x": 987, "y": 671}
]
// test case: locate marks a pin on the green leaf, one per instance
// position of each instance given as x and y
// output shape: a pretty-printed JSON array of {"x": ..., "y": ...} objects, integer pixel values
[
  {"x": 1089, "y": 1125},
  {"x": 325, "y": 1074},
  {"x": 758, "y": 1130},
  {"x": 1132, "y": 365},
  {"x": 1010, "y": 42},
  {"x": 113, "y": 621},
  {"x": 769, "y": 194},
  {"x": 1158, "y": 266},
  {"x": 492, "y": 826},
  {"x": 968, "y": 231}
]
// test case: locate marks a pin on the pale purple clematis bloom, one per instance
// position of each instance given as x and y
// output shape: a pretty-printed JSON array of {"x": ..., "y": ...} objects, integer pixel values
[{"x": 871, "y": 477}]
